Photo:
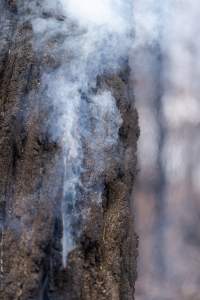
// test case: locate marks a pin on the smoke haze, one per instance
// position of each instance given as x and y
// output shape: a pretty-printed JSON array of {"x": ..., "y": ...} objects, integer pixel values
[{"x": 165, "y": 76}]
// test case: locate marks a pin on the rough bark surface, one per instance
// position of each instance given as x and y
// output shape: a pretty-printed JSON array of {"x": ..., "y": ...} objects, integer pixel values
[{"x": 103, "y": 265}]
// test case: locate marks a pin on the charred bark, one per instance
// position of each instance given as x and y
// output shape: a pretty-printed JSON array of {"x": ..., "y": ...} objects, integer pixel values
[{"x": 103, "y": 265}]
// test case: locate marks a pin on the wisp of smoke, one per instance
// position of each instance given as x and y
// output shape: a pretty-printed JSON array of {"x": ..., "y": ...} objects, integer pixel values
[{"x": 86, "y": 39}]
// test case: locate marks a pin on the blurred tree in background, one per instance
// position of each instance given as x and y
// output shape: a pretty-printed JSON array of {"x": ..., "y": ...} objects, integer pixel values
[{"x": 166, "y": 71}]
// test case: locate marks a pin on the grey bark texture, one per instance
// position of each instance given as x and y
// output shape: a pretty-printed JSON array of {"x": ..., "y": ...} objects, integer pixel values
[{"x": 103, "y": 265}]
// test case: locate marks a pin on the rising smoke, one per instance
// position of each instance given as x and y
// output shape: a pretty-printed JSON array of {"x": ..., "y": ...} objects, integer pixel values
[{"x": 83, "y": 40}]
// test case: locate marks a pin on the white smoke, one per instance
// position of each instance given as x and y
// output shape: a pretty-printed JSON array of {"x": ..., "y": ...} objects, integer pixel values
[
  {"x": 84, "y": 40},
  {"x": 109, "y": 13}
]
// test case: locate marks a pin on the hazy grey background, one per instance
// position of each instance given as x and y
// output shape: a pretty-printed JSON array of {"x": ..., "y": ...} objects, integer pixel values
[{"x": 165, "y": 73}]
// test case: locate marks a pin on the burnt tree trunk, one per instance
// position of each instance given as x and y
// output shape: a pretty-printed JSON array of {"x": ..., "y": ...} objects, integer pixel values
[{"x": 103, "y": 265}]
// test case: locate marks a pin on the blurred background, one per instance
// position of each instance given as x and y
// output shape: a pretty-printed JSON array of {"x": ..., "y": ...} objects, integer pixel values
[{"x": 166, "y": 80}]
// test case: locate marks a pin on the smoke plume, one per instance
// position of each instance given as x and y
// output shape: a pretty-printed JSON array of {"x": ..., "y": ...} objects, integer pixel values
[{"x": 82, "y": 40}]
